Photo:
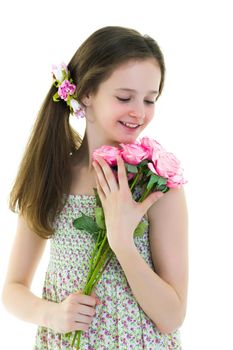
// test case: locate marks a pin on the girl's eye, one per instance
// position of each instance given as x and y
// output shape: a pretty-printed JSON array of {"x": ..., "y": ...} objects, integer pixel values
[
  {"x": 127, "y": 99},
  {"x": 123, "y": 99}
]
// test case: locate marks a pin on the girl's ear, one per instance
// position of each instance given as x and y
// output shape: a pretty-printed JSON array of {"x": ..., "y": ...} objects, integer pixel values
[{"x": 86, "y": 100}]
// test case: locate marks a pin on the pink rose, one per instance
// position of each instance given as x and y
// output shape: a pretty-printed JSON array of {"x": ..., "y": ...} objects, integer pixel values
[
  {"x": 152, "y": 146},
  {"x": 168, "y": 166},
  {"x": 108, "y": 153},
  {"x": 65, "y": 89},
  {"x": 133, "y": 153}
]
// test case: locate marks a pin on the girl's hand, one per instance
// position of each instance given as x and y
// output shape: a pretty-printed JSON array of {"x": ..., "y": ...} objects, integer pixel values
[
  {"x": 76, "y": 312},
  {"x": 122, "y": 213}
]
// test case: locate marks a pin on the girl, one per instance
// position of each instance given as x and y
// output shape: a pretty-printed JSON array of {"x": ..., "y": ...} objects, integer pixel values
[{"x": 118, "y": 76}]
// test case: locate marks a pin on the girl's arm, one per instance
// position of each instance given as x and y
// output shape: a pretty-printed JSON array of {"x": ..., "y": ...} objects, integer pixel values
[
  {"x": 16, "y": 296},
  {"x": 76, "y": 312},
  {"x": 162, "y": 293}
]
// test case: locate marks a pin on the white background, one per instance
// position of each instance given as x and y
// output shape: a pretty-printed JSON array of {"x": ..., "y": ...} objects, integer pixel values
[{"x": 192, "y": 120}]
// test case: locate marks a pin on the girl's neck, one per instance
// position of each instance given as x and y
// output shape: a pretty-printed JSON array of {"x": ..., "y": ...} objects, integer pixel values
[{"x": 83, "y": 155}]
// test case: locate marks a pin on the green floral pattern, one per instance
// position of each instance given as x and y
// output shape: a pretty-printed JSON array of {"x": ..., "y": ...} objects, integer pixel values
[{"x": 119, "y": 323}]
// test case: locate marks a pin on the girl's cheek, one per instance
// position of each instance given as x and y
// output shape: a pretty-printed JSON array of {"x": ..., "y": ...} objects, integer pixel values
[
  {"x": 119, "y": 112},
  {"x": 118, "y": 107}
]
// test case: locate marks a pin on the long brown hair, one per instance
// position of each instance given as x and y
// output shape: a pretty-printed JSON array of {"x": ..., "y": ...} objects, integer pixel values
[{"x": 44, "y": 174}]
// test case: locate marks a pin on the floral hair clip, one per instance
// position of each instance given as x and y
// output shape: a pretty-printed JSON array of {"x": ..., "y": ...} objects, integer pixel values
[{"x": 66, "y": 89}]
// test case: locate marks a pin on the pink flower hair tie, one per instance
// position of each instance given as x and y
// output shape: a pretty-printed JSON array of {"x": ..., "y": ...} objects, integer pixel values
[{"x": 66, "y": 90}]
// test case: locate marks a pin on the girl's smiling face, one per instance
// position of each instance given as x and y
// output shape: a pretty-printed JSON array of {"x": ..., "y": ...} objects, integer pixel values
[{"x": 128, "y": 95}]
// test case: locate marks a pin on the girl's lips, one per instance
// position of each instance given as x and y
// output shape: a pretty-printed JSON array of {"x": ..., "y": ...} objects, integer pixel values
[{"x": 127, "y": 128}]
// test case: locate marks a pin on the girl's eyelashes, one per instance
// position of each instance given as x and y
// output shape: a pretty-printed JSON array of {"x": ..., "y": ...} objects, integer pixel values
[
  {"x": 123, "y": 99},
  {"x": 128, "y": 99},
  {"x": 150, "y": 102}
]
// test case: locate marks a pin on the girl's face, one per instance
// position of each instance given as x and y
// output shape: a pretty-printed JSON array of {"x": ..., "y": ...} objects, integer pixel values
[{"x": 128, "y": 95}]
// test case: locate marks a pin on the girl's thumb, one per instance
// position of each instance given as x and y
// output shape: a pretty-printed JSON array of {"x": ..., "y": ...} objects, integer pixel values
[
  {"x": 95, "y": 296},
  {"x": 151, "y": 199},
  {"x": 155, "y": 196},
  {"x": 159, "y": 194}
]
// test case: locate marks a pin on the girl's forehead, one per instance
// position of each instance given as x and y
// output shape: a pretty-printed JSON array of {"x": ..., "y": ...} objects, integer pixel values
[
  {"x": 134, "y": 73},
  {"x": 135, "y": 65}
]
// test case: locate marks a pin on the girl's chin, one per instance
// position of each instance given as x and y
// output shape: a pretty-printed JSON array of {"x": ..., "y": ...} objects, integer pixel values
[{"x": 127, "y": 139}]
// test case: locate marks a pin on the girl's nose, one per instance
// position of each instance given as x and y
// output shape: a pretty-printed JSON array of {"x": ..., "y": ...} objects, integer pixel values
[{"x": 138, "y": 111}]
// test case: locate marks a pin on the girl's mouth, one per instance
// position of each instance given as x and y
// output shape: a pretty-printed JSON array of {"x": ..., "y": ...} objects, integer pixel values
[{"x": 128, "y": 126}]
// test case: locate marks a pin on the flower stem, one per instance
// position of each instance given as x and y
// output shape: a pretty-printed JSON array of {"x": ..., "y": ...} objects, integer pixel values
[
  {"x": 135, "y": 181},
  {"x": 77, "y": 333},
  {"x": 100, "y": 274},
  {"x": 93, "y": 255},
  {"x": 98, "y": 265},
  {"x": 95, "y": 260},
  {"x": 144, "y": 195}
]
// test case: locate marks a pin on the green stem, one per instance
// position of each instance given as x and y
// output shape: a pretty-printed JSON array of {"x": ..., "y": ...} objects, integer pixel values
[
  {"x": 101, "y": 270},
  {"x": 144, "y": 195},
  {"x": 100, "y": 274},
  {"x": 98, "y": 268},
  {"x": 100, "y": 249},
  {"x": 68, "y": 335},
  {"x": 135, "y": 181},
  {"x": 74, "y": 338},
  {"x": 93, "y": 255}
]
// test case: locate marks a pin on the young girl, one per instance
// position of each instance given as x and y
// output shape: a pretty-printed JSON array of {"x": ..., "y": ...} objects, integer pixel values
[{"x": 140, "y": 300}]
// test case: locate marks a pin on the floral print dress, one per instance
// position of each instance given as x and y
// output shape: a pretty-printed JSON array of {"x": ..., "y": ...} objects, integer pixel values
[{"x": 119, "y": 323}]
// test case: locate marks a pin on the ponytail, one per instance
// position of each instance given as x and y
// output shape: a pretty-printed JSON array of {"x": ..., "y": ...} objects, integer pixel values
[{"x": 44, "y": 174}]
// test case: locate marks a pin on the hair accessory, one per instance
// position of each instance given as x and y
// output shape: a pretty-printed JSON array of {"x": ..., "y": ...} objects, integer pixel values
[{"x": 66, "y": 90}]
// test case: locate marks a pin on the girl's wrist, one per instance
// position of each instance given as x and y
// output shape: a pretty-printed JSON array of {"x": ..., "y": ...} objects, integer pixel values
[
  {"x": 123, "y": 246},
  {"x": 46, "y": 311}
]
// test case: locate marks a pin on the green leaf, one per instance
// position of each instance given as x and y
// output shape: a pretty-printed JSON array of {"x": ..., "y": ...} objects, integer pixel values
[
  {"x": 143, "y": 163},
  {"x": 98, "y": 201},
  {"x": 162, "y": 188},
  {"x": 68, "y": 100},
  {"x": 160, "y": 184},
  {"x": 56, "y": 83},
  {"x": 162, "y": 180},
  {"x": 86, "y": 223},
  {"x": 56, "y": 97},
  {"x": 153, "y": 179},
  {"x": 100, "y": 220},
  {"x": 131, "y": 168},
  {"x": 139, "y": 231}
]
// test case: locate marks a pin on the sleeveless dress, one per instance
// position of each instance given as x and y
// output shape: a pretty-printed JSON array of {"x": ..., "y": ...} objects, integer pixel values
[{"x": 119, "y": 323}]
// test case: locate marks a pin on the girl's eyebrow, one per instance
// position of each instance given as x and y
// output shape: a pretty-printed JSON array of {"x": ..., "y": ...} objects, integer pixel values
[{"x": 132, "y": 90}]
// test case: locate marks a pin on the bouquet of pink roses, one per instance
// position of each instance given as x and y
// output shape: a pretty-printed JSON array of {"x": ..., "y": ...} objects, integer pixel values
[{"x": 149, "y": 165}]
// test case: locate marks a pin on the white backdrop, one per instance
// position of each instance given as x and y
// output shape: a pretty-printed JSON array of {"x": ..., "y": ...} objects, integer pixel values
[{"x": 192, "y": 120}]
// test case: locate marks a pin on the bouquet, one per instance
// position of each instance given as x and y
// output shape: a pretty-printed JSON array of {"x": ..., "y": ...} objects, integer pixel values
[{"x": 147, "y": 164}]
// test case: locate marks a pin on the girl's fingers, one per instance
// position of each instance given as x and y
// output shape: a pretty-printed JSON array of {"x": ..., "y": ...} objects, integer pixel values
[
  {"x": 122, "y": 175},
  {"x": 105, "y": 176},
  {"x": 99, "y": 189},
  {"x": 101, "y": 181}
]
